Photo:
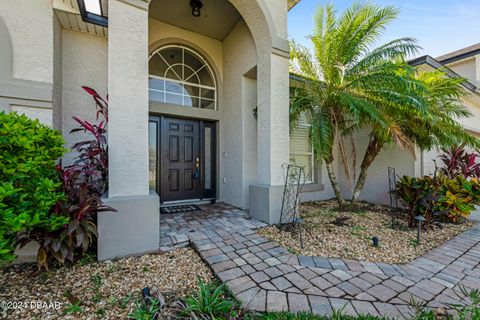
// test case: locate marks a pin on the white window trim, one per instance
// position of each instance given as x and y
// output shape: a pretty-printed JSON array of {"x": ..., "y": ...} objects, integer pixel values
[{"x": 310, "y": 154}]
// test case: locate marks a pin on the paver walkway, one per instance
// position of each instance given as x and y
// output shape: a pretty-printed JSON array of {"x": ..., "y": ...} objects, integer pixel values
[{"x": 266, "y": 277}]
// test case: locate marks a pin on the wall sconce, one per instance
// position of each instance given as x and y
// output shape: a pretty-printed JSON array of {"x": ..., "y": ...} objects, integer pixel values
[{"x": 196, "y": 6}]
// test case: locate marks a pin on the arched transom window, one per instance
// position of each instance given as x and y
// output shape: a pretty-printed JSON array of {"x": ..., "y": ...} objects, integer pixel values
[{"x": 182, "y": 77}]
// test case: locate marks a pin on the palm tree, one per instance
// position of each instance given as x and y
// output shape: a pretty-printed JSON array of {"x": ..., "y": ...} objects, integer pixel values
[
  {"x": 345, "y": 80},
  {"x": 408, "y": 130}
]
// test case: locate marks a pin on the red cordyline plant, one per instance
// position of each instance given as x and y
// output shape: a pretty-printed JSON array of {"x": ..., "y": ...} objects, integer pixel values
[
  {"x": 457, "y": 161},
  {"x": 84, "y": 183}
]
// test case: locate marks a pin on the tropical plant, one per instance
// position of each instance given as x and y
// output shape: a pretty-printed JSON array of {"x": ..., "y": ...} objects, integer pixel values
[
  {"x": 457, "y": 161},
  {"x": 209, "y": 300},
  {"x": 83, "y": 184},
  {"x": 459, "y": 197},
  {"x": 345, "y": 80},
  {"x": 437, "y": 197},
  {"x": 29, "y": 184},
  {"x": 419, "y": 196},
  {"x": 408, "y": 129},
  {"x": 149, "y": 310}
]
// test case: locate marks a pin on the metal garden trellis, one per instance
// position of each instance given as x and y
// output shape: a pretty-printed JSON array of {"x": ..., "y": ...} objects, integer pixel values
[
  {"x": 392, "y": 192},
  {"x": 294, "y": 180}
]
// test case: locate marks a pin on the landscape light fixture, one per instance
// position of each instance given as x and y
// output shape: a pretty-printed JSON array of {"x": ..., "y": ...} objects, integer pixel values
[
  {"x": 419, "y": 219},
  {"x": 375, "y": 241},
  {"x": 196, "y": 6}
]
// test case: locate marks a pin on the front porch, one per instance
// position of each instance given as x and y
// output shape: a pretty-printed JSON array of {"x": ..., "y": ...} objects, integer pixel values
[
  {"x": 214, "y": 220},
  {"x": 201, "y": 112}
]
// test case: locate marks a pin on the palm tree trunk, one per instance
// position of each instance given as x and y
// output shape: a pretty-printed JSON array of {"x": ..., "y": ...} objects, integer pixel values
[
  {"x": 373, "y": 149},
  {"x": 334, "y": 182}
]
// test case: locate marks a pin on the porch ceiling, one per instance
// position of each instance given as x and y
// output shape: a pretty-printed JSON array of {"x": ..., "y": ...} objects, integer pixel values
[
  {"x": 217, "y": 19},
  {"x": 68, "y": 15}
]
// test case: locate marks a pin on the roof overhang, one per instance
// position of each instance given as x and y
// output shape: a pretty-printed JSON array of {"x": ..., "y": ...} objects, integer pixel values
[
  {"x": 461, "y": 54},
  {"x": 292, "y": 3},
  {"x": 432, "y": 62},
  {"x": 69, "y": 14}
]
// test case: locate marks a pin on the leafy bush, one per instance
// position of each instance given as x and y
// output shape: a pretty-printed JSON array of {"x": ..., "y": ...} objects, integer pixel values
[
  {"x": 210, "y": 300},
  {"x": 418, "y": 194},
  {"x": 29, "y": 185},
  {"x": 438, "y": 197},
  {"x": 458, "y": 162},
  {"x": 83, "y": 184},
  {"x": 458, "y": 197}
]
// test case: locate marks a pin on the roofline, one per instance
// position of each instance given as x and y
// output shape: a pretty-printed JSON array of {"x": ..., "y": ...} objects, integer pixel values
[
  {"x": 429, "y": 60},
  {"x": 460, "y": 56},
  {"x": 295, "y": 2}
]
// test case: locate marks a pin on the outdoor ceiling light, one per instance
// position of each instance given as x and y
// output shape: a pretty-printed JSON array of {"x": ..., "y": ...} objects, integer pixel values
[
  {"x": 196, "y": 6},
  {"x": 92, "y": 12}
]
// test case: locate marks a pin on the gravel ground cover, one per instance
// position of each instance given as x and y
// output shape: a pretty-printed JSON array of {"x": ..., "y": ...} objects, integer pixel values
[
  {"x": 107, "y": 290},
  {"x": 334, "y": 233}
]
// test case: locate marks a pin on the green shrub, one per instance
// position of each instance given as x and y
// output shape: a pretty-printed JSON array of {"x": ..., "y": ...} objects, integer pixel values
[
  {"x": 441, "y": 196},
  {"x": 210, "y": 300},
  {"x": 146, "y": 311},
  {"x": 29, "y": 183}
]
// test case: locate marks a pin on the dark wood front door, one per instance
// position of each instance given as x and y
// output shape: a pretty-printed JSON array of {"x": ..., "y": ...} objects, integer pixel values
[{"x": 180, "y": 159}]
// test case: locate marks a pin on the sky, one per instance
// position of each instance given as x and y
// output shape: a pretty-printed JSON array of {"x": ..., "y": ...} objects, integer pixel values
[{"x": 440, "y": 26}]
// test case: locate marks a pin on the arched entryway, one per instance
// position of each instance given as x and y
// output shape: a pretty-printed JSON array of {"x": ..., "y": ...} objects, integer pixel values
[{"x": 182, "y": 150}]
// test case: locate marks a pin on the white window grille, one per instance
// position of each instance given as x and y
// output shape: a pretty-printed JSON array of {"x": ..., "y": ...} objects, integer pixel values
[{"x": 180, "y": 76}]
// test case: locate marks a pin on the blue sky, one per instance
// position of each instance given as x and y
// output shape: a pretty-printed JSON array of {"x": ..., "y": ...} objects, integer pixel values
[{"x": 440, "y": 26}]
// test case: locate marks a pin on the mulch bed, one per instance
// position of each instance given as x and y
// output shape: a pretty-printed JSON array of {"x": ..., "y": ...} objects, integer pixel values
[
  {"x": 329, "y": 232},
  {"x": 105, "y": 290}
]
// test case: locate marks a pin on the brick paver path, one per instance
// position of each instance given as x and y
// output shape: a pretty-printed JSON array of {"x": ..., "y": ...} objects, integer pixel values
[{"x": 266, "y": 277}]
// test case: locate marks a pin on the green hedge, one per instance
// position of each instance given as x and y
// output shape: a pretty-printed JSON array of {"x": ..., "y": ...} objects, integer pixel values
[{"x": 29, "y": 183}]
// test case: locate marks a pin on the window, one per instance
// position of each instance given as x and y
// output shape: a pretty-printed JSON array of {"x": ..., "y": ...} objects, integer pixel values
[
  {"x": 301, "y": 148},
  {"x": 180, "y": 76},
  {"x": 94, "y": 11}
]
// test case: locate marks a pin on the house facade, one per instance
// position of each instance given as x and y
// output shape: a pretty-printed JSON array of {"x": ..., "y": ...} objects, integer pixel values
[
  {"x": 198, "y": 99},
  {"x": 198, "y": 104}
]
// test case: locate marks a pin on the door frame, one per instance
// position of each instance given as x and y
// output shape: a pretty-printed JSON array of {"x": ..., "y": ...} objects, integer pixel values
[{"x": 205, "y": 194}]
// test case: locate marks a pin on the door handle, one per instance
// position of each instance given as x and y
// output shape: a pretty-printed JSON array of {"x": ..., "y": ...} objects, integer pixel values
[{"x": 196, "y": 174}]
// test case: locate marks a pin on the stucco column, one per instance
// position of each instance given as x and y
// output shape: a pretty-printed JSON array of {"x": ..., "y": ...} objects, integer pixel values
[
  {"x": 273, "y": 136},
  {"x": 128, "y": 99},
  {"x": 135, "y": 228}
]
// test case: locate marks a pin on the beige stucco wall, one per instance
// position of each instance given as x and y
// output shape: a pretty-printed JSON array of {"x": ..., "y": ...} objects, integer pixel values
[
  {"x": 466, "y": 68},
  {"x": 376, "y": 186},
  {"x": 26, "y": 64},
  {"x": 84, "y": 61},
  {"x": 128, "y": 99},
  {"x": 160, "y": 34},
  {"x": 278, "y": 11},
  {"x": 249, "y": 88},
  {"x": 30, "y": 25},
  {"x": 57, "y": 75},
  {"x": 238, "y": 145}
]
